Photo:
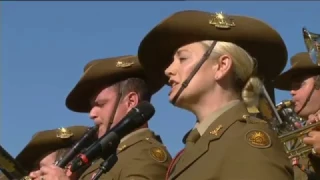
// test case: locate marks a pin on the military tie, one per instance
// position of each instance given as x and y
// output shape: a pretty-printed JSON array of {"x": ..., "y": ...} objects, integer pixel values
[{"x": 192, "y": 138}]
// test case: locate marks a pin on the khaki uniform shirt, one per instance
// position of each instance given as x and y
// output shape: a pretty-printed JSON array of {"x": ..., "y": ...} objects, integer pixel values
[
  {"x": 140, "y": 156},
  {"x": 235, "y": 146}
]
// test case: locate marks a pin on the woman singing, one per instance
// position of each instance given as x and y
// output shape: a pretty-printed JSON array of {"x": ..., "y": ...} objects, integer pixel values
[{"x": 214, "y": 63}]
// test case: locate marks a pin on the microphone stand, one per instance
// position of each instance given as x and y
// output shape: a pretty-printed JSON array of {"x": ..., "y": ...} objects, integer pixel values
[{"x": 106, "y": 165}]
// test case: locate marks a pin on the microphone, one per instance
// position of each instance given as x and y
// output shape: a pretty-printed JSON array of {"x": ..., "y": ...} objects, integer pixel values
[
  {"x": 107, "y": 144},
  {"x": 85, "y": 139}
]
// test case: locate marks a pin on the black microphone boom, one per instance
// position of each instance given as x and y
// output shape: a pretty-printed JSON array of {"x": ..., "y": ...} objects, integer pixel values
[
  {"x": 83, "y": 142},
  {"x": 106, "y": 144}
]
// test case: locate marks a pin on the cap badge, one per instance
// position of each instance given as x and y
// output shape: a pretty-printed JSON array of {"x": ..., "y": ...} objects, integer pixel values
[
  {"x": 64, "y": 133},
  {"x": 220, "y": 20},
  {"x": 124, "y": 64}
]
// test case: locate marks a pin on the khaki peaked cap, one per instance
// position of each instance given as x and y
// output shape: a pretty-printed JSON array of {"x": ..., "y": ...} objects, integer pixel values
[
  {"x": 100, "y": 73},
  {"x": 259, "y": 39},
  {"x": 301, "y": 65},
  {"x": 48, "y": 141}
]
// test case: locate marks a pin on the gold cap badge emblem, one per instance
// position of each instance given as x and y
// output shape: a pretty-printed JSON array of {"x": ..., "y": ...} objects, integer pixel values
[
  {"x": 222, "y": 21},
  {"x": 124, "y": 64},
  {"x": 64, "y": 133},
  {"x": 158, "y": 154}
]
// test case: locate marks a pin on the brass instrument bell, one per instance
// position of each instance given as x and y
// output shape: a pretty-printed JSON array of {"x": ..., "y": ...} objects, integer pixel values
[{"x": 312, "y": 42}]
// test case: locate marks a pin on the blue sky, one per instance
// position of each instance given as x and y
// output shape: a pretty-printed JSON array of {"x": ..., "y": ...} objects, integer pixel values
[{"x": 44, "y": 46}]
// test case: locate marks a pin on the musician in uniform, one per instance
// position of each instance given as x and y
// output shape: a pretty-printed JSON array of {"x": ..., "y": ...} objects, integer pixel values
[
  {"x": 47, "y": 147},
  {"x": 303, "y": 82},
  {"x": 226, "y": 142},
  {"x": 300, "y": 80},
  {"x": 108, "y": 90}
]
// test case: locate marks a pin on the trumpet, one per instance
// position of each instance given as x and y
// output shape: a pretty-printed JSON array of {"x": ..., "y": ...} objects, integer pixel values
[
  {"x": 289, "y": 134},
  {"x": 296, "y": 137}
]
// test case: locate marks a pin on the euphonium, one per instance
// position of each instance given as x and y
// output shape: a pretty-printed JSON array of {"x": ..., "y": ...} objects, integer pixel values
[
  {"x": 312, "y": 42},
  {"x": 289, "y": 134}
]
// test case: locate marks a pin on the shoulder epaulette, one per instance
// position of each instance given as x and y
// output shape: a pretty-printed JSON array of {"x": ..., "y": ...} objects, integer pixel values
[{"x": 253, "y": 120}]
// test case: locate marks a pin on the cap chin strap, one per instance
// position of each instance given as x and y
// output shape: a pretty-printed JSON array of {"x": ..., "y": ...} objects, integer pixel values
[
  {"x": 316, "y": 86},
  {"x": 194, "y": 71},
  {"x": 115, "y": 107}
]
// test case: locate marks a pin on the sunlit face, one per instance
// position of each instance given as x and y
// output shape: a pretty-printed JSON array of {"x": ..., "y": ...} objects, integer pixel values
[
  {"x": 48, "y": 160},
  {"x": 301, "y": 88},
  {"x": 184, "y": 61},
  {"x": 103, "y": 106}
]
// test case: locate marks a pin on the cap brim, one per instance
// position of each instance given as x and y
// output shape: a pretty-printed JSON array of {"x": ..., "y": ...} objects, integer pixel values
[{"x": 284, "y": 81}]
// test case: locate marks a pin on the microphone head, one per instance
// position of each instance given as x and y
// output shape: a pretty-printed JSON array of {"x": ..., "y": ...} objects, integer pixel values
[{"x": 146, "y": 109}]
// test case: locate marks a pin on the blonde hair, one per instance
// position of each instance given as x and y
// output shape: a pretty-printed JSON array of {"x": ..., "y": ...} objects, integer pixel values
[{"x": 243, "y": 68}]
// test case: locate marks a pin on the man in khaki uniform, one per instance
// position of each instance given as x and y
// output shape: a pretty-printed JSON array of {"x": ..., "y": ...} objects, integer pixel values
[
  {"x": 300, "y": 80},
  {"x": 47, "y": 147},
  {"x": 108, "y": 90},
  {"x": 228, "y": 144}
]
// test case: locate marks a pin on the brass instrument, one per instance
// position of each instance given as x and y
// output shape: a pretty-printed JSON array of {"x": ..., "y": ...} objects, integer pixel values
[
  {"x": 289, "y": 134},
  {"x": 288, "y": 116},
  {"x": 312, "y": 42}
]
